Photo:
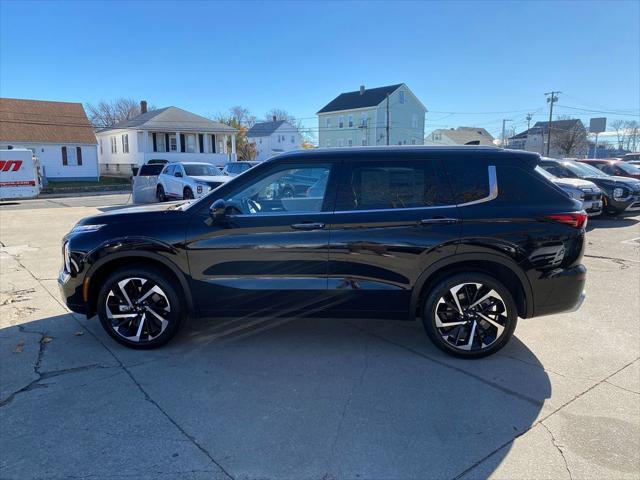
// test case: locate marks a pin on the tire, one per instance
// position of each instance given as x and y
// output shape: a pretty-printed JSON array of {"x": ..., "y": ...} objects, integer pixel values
[
  {"x": 187, "y": 194},
  {"x": 160, "y": 195},
  {"x": 160, "y": 312},
  {"x": 492, "y": 320}
]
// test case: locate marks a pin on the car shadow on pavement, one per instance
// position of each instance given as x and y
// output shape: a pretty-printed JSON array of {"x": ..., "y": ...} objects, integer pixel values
[
  {"x": 286, "y": 398},
  {"x": 611, "y": 222}
]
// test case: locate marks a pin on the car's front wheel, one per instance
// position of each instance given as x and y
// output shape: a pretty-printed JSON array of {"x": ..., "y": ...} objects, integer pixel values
[
  {"x": 470, "y": 315},
  {"x": 187, "y": 194},
  {"x": 139, "y": 307}
]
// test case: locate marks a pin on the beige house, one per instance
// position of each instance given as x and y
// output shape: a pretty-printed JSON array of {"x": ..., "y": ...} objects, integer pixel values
[{"x": 459, "y": 136}]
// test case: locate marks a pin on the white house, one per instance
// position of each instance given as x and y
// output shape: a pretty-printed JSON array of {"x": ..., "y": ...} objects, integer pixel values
[
  {"x": 536, "y": 138},
  {"x": 58, "y": 133},
  {"x": 167, "y": 133},
  {"x": 272, "y": 138},
  {"x": 460, "y": 136},
  {"x": 361, "y": 118}
]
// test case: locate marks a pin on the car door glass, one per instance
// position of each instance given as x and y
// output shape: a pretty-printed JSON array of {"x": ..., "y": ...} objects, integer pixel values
[
  {"x": 169, "y": 170},
  {"x": 394, "y": 184},
  {"x": 284, "y": 190}
]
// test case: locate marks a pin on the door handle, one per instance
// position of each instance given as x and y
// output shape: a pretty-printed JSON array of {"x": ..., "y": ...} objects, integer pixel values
[
  {"x": 439, "y": 221},
  {"x": 308, "y": 226}
]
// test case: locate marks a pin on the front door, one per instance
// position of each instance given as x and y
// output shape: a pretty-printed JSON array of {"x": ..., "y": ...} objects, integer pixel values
[
  {"x": 394, "y": 217},
  {"x": 269, "y": 254}
]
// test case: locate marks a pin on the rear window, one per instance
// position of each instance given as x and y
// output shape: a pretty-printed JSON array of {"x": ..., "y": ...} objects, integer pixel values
[
  {"x": 201, "y": 170},
  {"x": 394, "y": 184},
  {"x": 150, "y": 170},
  {"x": 469, "y": 179}
]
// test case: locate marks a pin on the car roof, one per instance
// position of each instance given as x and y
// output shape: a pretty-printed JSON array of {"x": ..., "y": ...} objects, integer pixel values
[
  {"x": 465, "y": 151},
  {"x": 193, "y": 163}
]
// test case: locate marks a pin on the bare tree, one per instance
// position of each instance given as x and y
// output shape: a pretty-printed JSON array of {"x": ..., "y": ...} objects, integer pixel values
[
  {"x": 620, "y": 126},
  {"x": 571, "y": 141},
  {"x": 109, "y": 113},
  {"x": 243, "y": 116},
  {"x": 282, "y": 114},
  {"x": 631, "y": 132},
  {"x": 240, "y": 119}
]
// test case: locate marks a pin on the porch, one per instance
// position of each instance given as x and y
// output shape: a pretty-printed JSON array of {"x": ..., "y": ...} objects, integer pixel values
[{"x": 216, "y": 148}]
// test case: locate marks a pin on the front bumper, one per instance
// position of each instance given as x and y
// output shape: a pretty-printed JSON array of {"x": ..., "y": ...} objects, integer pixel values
[
  {"x": 634, "y": 206},
  {"x": 71, "y": 292}
]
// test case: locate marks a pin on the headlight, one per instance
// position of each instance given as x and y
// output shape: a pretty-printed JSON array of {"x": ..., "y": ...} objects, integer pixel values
[
  {"x": 86, "y": 228},
  {"x": 618, "y": 192},
  {"x": 577, "y": 194},
  {"x": 67, "y": 257}
]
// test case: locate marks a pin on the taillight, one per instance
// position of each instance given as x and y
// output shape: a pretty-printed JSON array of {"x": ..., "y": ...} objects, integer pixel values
[{"x": 574, "y": 219}]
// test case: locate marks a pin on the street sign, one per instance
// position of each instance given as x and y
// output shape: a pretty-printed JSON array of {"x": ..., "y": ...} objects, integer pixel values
[{"x": 597, "y": 125}]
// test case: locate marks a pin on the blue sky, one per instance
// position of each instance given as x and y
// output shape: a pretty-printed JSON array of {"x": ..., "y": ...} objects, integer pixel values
[{"x": 471, "y": 63}]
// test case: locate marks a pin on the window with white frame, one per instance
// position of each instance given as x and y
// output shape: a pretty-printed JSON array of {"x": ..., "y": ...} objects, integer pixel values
[
  {"x": 364, "y": 119},
  {"x": 190, "y": 140},
  {"x": 114, "y": 145},
  {"x": 350, "y": 142},
  {"x": 327, "y": 122},
  {"x": 414, "y": 120},
  {"x": 173, "y": 143},
  {"x": 350, "y": 121},
  {"x": 161, "y": 142},
  {"x": 401, "y": 97},
  {"x": 341, "y": 121},
  {"x": 125, "y": 143}
]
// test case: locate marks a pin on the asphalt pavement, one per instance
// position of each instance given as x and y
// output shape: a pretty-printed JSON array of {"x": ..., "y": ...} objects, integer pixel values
[{"x": 295, "y": 398}]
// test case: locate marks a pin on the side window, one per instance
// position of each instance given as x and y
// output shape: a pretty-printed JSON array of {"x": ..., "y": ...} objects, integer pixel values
[
  {"x": 169, "y": 169},
  {"x": 284, "y": 189},
  {"x": 394, "y": 184},
  {"x": 518, "y": 185},
  {"x": 469, "y": 179},
  {"x": 555, "y": 170}
]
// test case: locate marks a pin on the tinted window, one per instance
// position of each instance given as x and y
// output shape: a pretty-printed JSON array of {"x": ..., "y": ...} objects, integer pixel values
[
  {"x": 469, "y": 179},
  {"x": 169, "y": 169},
  {"x": 518, "y": 185},
  {"x": 556, "y": 170},
  {"x": 201, "y": 170},
  {"x": 283, "y": 189},
  {"x": 150, "y": 170},
  {"x": 394, "y": 184}
]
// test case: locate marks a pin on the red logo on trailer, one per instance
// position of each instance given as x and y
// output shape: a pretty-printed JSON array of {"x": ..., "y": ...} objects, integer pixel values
[{"x": 10, "y": 165}]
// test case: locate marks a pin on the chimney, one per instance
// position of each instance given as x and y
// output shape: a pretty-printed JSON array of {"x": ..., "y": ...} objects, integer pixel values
[
  {"x": 143, "y": 106},
  {"x": 361, "y": 89},
  {"x": 274, "y": 118}
]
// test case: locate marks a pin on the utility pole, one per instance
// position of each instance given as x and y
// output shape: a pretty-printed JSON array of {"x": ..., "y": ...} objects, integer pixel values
[
  {"x": 387, "y": 119},
  {"x": 550, "y": 100},
  {"x": 529, "y": 117},
  {"x": 504, "y": 120}
]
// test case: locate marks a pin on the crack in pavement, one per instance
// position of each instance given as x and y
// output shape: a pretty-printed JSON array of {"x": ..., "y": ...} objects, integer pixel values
[
  {"x": 147, "y": 397},
  {"x": 559, "y": 448},
  {"x": 622, "y": 262},
  {"x": 622, "y": 388}
]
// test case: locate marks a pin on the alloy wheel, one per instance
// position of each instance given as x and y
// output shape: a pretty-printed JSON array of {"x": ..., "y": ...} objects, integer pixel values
[
  {"x": 471, "y": 316},
  {"x": 138, "y": 309}
]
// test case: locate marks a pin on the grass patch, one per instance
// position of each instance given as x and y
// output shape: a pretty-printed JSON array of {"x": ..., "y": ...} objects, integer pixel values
[{"x": 103, "y": 182}]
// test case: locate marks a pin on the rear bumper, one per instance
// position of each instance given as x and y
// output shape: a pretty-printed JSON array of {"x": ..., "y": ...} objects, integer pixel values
[{"x": 560, "y": 291}]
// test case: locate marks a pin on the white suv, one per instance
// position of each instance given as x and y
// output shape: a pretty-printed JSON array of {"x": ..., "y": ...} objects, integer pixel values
[{"x": 188, "y": 180}]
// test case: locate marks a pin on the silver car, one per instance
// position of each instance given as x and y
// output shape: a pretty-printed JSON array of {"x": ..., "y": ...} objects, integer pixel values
[
  {"x": 582, "y": 190},
  {"x": 187, "y": 180}
]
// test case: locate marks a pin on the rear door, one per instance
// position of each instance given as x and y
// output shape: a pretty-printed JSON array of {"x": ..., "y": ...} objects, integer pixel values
[{"x": 394, "y": 217}]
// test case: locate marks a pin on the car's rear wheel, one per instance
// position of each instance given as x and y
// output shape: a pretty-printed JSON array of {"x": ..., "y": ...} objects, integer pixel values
[
  {"x": 470, "y": 315},
  {"x": 160, "y": 195},
  {"x": 187, "y": 194},
  {"x": 140, "y": 308}
]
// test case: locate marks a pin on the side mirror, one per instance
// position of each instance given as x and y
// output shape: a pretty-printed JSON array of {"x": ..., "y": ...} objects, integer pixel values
[
  {"x": 218, "y": 210},
  {"x": 178, "y": 174}
]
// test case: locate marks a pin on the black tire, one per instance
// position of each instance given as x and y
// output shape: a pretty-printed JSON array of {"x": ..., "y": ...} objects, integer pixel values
[
  {"x": 155, "y": 313},
  {"x": 187, "y": 194},
  {"x": 160, "y": 195},
  {"x": 500, "y": 309}
]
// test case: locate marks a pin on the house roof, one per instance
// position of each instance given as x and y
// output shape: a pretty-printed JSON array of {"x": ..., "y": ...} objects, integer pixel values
[
  {"x": 464, "y": 135},
  {"x": 350, "y": 100},
  {"x": 171, "y": 119},
  {"x": 44, "y": 121},
  {"x": 264, "y": 129},
  {"x": 543, "y": 127}
]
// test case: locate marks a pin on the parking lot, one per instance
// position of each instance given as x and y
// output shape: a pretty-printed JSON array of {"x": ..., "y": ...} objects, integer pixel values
[{"x": 294, "y": 398}]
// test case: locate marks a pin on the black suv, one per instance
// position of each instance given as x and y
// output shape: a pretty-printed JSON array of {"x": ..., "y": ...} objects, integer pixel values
[{"x": 467, "y": 239}]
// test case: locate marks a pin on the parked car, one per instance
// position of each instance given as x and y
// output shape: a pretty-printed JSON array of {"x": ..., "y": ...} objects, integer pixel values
[
  {"x": 584, "y": 191},
  {"x": 620, "y": 194},
  {"x": 631, "y": 157},
  {"x": 145, "y": 180},
  {"x": 236, "y": 168},
  {"x": 467, "y": 239},
  {"x": 187, "y": 180},
  {"x": 614, "y": 167}
]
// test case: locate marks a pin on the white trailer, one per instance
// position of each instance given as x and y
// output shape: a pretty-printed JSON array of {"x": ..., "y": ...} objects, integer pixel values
[{"x": 19, "y": 174}]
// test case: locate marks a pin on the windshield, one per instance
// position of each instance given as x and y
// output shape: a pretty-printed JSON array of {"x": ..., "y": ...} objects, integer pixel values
[
  {"x": 201, "y": 170},
  {"x": 628, "y": 168},
  {"x": 238, "y": 167},
  {"x": 544, "y": 173},
  {"x": 583, "y": 170}
]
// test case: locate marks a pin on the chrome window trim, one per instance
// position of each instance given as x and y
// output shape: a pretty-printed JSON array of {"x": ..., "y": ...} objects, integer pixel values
[{"x": 493, "y": 194}]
